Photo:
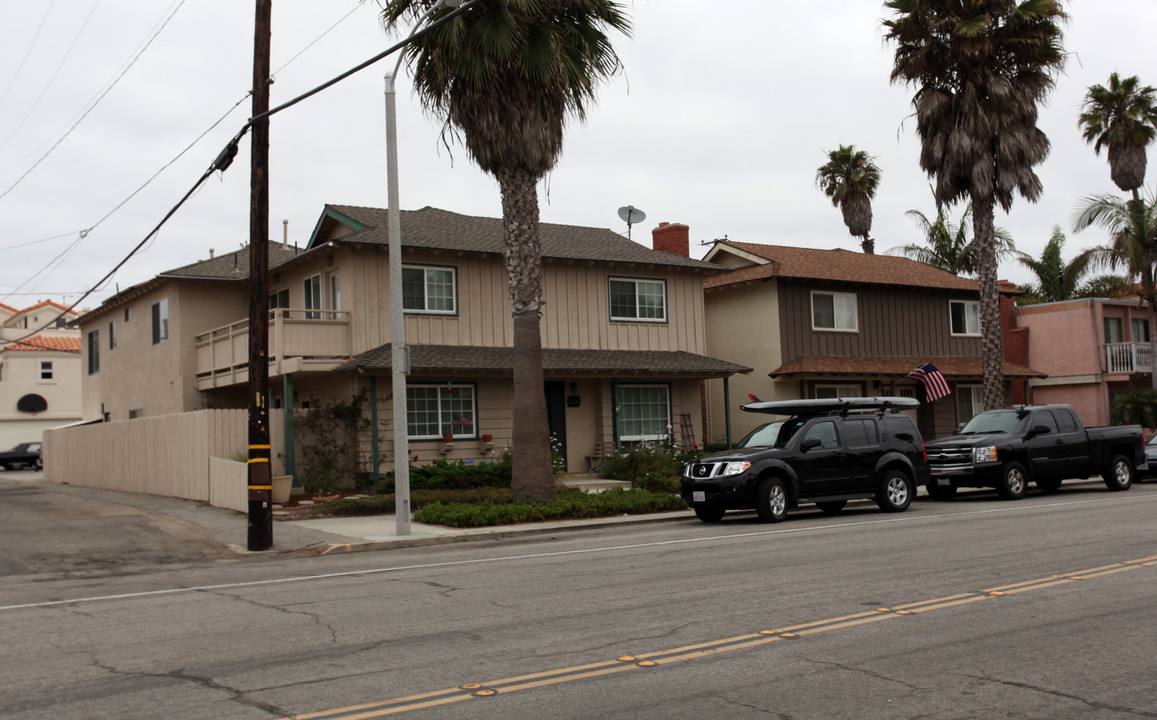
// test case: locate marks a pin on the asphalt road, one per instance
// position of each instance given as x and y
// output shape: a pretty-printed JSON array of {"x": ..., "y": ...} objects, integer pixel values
[{"x": 977, "y": 608}]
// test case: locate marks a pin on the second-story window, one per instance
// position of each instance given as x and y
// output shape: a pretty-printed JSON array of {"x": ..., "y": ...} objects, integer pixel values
[
  {"x": 312, "y": 290},
  {"x": 1113, "y": 330},
  {"x": 834, "y": 311},
  {"x": 639, "y": 300},
  {"x": 93, "y": 352},
  {"x": 160, "y": 311},
  {"x": 428, "y": 289},
  {"x": 112, "y": 335},
  {"x": 45, "y": 369},
  {"x": 965, "y": 317}
]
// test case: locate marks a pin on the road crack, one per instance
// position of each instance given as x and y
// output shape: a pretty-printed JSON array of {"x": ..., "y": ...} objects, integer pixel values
[
  {"x": 315, "y": 617},
  {"x": 864, "y": 671},
  {"x": 1064, "y": 695}
]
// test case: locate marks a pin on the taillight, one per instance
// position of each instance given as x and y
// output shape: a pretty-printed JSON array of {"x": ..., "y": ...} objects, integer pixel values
[{"x": 925, "y": 451}]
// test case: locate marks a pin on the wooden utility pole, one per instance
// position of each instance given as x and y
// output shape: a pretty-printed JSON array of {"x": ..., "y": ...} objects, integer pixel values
[{"x": 260, "y": 474}]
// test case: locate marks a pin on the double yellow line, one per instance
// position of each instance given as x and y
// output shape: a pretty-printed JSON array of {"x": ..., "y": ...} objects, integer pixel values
[{"x": 650, "y": 661}]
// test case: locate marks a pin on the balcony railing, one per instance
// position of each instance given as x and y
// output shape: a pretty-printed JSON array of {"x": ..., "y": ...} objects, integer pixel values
[
  {"x": 1128, "y": 358},
  {"x": 317, "y": 339}
]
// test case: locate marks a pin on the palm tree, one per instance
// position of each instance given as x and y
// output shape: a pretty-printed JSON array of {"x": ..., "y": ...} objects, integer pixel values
[
  {"x": 1122, "y": 117},
  {"x": 948, "y": 246},
  {"x": 506, "y": 76},
  {"x": 850, "y": 178},
  {"x": 1132, "y": 228},
  {"x": 980, "y": 68},
  {"x": 1056, "y": 279}
]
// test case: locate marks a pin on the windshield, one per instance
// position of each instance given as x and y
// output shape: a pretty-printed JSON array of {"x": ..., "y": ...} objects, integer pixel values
[
  {"x": 773, "y": 434},
  {"x": 998, "y": 421}
]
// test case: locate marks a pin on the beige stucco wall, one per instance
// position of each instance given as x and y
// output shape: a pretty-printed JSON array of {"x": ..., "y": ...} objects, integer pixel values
[
  {"x": 20, "y": 376},
  {"x": 743, "y": 328}
]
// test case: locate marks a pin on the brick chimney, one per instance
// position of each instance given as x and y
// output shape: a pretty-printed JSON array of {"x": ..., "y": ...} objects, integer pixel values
[{"x": 674, "y": 238}]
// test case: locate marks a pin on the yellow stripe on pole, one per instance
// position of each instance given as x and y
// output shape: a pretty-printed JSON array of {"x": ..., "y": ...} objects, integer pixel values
[
  {"x": 260, "y": 447},
  {"x": 260, "y": 487},
  {"x": 258, "y": 460}
]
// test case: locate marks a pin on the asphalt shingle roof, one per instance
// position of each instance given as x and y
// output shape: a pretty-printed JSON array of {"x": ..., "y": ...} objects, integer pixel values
[
  {"x": 501, "y": 359},
  {"x": 838, "y": 265},
  {"x": 232, "y": 266},
  {"x": 856, "y": 365},
  {"x": 444, "y": 230}
]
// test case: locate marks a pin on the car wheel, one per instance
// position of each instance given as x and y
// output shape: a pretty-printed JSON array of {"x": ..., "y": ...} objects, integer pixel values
[
  {"x": 771, "y": 501},
  {"x": 895, "y": 492},
  {"x": 1049, "y": 486},
  {"x": 1013, "y": 481},
  {"x": 831, "y": 507},
  {"x": 710, "y": 513},
  {"x": 7, "y": 467},
  {"x": 39, "y": 464},
  {"x": 1119, "y": 475},
  {"x": 938, "y": 492}
]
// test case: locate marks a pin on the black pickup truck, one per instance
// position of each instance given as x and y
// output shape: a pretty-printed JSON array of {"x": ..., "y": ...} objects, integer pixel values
[
  {"x": 827, "y": 452},
  {"x": 1045, "y": 444},
  {"x": 23, "y": 455}
]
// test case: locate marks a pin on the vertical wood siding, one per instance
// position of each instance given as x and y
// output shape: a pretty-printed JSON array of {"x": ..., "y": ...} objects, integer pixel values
[{"x": 893, "y": 321}]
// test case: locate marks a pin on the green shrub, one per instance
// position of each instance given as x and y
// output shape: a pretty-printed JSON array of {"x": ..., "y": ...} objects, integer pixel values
[
  {"x": 568, "y": 505},
  {"x": 655, "y": 460},
  {"x": 445, "y": 475},
  {"x": 379, "y": 504}
]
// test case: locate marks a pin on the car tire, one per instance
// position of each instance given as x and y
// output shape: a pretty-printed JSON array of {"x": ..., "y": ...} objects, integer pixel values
[
  {"x": 1049, "y": 486},
  {"x": 7, "y": 467},
  {"x": 1119, "y": 474},
  {"x": 831, "y": 507},
  {"x": 771, "y": 500},
  {"x": 895, "y": 491},
  {"x": 1013, "y": 481},
  {"x": 936, "y": 492},
  {"x": 710, "y": 513}
]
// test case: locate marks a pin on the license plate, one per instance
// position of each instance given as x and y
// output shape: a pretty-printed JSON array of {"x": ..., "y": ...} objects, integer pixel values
[{"x": 698, "y": 496}]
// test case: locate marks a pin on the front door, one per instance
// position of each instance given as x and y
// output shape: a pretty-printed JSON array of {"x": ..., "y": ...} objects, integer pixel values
[{"x": 556, "y": 416}]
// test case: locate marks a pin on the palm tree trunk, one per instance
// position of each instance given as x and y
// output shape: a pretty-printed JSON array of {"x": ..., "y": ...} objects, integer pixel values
[
  {"x": 992, "y": 340},
  {"x": 533, "y": 476}
]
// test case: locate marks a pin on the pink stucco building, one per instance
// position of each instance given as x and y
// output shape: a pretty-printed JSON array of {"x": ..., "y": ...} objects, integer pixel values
[{"x": 1092, "y": 349}]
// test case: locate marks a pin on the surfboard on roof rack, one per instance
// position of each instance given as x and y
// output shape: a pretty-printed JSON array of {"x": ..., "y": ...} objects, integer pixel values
[{"x": 823, "y": 406}]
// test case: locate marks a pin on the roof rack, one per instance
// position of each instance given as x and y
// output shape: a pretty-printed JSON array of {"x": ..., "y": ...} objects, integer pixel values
[{"x": 831, "y": 406}]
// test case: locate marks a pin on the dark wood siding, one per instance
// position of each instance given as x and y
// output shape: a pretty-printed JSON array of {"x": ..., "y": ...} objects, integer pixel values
[{"x": 893, "y": 322}]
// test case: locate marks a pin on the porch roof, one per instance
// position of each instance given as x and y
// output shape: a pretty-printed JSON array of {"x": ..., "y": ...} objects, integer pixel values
[
  {"x": 434, "y": 358},
  {"x": 847, "y": 365}
]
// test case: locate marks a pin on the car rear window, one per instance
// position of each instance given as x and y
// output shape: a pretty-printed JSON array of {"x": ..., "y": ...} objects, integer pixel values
[{"x": 895, "y": 424}]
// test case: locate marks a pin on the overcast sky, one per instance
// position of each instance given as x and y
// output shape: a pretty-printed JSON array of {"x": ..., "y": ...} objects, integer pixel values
[{"x": 720, "y": 119}]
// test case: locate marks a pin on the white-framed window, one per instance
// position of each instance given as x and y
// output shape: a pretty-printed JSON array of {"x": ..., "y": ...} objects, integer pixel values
[
  {"x": 160, "y": 313},
  {"x": 430, "y": 289},
  {"x": 334, "y": 295},
  {"x": 439, "y": 409},
  {"x": 965, "y": 317},
  {"x": 45, "y": 369},
  {"x": 969, "y": 402},
  {"x": 93, "y": 352},
  {"x": 838, "y": 391},
  {"x": 312, "y": 290},
  {"x": 644, "y": 412},
  {"x": 834, "y": 311},
  {"x": 638, "y": 300}
]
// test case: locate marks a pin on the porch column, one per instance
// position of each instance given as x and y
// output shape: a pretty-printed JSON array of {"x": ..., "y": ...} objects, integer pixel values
[
  {"x": 727, "y": 408},
  {"x": 374, "y": 458},
  {"x": 290, "y": 451}
]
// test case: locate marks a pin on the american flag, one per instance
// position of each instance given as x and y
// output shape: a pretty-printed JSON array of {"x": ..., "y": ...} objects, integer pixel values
[
  {"x": 935, "y": 386},
  {"x": 460, "y": 420}
]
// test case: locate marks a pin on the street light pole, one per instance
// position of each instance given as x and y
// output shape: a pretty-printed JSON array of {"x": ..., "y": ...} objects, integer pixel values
[{"x": 399, "y": 353}]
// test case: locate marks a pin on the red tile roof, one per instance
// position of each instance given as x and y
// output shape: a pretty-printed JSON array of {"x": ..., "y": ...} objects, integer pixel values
[
  {"x": 40, "y": 343},
  {"x": 838, "y": 265}
]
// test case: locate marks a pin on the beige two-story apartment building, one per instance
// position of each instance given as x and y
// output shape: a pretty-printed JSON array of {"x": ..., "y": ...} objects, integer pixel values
[
  {"x": 40, "y": 379},
  {"x": 624, "y": 334}
]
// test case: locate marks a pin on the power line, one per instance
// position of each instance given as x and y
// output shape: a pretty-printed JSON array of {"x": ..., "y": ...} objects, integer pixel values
[
  {"x": 225, "y": 157},
  {"x": 95, "y": 102},
  {"x": 28, "y": 53}
]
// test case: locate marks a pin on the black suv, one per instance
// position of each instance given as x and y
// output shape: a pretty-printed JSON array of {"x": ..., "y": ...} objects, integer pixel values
[{"x": 827, "y": 452}]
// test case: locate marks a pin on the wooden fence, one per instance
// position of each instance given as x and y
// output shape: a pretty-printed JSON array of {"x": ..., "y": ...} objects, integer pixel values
[{"x": 166, "y": 455}]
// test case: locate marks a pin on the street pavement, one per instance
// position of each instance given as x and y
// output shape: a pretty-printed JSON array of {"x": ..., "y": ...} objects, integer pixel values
[{"x": 65, "y": 529}]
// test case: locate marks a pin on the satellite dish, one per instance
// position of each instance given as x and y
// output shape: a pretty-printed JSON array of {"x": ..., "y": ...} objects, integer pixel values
[{"x": 631, "y": 215}]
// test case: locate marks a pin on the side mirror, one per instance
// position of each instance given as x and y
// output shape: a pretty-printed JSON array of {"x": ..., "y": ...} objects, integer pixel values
[
  {"x": 1040, "y": 430},
  {"x": 810, "y": 444}
]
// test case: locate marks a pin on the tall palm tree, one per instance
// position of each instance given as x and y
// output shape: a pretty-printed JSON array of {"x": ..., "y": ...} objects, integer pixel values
[
  {"x": 1122, "y": 117},
  {"x": 980, "y": 68},
  {"x": 1132, "y": 228},
  {"x": 949, "y": 246},
  {"x": 506, "y": 76},
  {"x": 1056, "y": 279},
  {"x": 850, "y": 178}
]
